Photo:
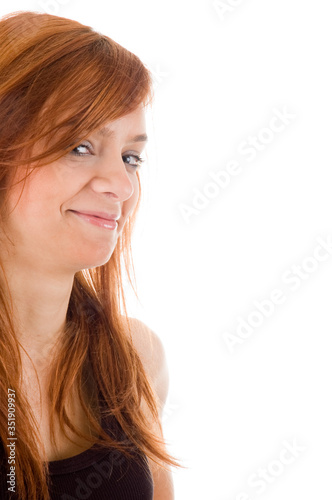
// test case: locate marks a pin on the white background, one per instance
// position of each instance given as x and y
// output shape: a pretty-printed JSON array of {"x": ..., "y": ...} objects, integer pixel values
[{"x": 219, "y": 77}]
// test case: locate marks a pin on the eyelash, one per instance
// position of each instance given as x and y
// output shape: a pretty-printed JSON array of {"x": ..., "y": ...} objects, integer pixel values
[{"x": 138, "y": 158}]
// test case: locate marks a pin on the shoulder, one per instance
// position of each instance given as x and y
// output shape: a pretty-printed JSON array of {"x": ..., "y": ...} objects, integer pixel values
[{"x": 151, "y": 351}]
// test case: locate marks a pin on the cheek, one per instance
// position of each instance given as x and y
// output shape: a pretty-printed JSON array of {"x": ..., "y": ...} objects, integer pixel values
[{"x": 30, "y": 202}]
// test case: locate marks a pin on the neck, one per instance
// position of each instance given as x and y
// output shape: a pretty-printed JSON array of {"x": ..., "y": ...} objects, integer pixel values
[{"x": 40, "y": 305}]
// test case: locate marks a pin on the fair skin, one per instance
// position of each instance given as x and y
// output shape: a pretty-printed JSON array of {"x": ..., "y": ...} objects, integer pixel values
[
  {"x": 51, "y": 242},
  {"x": 152, "y": 354}
]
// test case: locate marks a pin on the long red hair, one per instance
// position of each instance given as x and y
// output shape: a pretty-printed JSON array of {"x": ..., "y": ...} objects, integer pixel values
[{"x": 59, "y": 81}]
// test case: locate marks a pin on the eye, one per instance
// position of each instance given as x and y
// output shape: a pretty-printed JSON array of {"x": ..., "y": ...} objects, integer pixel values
[
  {"x": 133, "y": 160},
  {"x": 83, "y": 149}
]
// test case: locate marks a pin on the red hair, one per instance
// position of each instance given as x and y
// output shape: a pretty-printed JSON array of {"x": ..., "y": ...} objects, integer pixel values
[{"x": 61, "y": 80}]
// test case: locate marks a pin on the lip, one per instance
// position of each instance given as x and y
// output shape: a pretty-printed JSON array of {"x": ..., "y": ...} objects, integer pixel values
[
  {"x": 97, "y": 220},
  {"x": 101, "y": 215}
]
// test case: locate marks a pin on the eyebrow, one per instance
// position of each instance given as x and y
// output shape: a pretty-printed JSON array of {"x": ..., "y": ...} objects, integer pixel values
[{"x": 137, "y": 138}]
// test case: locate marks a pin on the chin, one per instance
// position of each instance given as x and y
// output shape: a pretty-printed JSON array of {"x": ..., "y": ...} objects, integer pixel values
[{"x": 91, "y": 259}]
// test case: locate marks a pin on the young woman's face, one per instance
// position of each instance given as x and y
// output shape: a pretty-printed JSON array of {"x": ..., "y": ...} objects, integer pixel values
[{"x": 61, "y": 218}]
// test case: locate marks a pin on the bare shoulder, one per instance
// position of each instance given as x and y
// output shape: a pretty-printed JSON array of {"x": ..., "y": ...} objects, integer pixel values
[
  {"x": 151, "y": 351},
  {"x": 152, "y": 354}
]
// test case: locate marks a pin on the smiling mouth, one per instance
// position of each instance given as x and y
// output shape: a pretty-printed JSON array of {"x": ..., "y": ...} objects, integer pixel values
[
  {"x": 96, "y": 220},
  {"x": 101, "y": 215}
]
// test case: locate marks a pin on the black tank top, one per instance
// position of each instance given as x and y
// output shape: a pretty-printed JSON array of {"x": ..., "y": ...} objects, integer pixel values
[{"x": 97, "y": 474}]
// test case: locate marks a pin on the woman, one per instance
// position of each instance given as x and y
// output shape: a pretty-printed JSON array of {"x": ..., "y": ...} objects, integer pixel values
[{"x": 82, "y": 385}]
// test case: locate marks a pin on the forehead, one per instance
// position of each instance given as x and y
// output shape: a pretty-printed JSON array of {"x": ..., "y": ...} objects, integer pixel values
[{"x": 132, "y": 125}]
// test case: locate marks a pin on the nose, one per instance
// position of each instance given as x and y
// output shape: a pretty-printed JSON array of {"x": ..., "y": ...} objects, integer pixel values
[{"x": 112, "y": 178}]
